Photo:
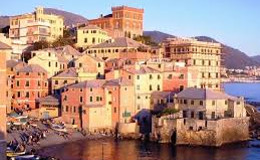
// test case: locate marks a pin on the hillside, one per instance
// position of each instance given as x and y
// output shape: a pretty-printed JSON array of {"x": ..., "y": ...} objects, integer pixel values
[
  {"x": 157, "y": 36},
  {"x": 233, "y": 58},
  {"x": 69, "y": 18},
  {"x": 256, "y": 58}
]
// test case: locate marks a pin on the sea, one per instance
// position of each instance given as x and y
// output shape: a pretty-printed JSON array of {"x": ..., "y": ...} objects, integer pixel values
[{"x": 109, "y": 149}]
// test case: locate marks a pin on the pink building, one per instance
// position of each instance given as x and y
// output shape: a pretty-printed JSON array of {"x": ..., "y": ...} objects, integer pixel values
[{"x": 30, "y": 83}]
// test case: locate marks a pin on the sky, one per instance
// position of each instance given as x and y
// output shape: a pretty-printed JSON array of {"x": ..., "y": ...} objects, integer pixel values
[{"x": 232, "y": 22}]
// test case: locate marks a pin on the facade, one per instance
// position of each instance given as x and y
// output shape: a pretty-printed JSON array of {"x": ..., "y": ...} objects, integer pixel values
[
  {"x": 91, "y": 64},
  {"x": 116, "y": 48},
  {"x": 146, "y": 80},
  {"x": 203, "y": 117},
  {"x": 90, "y": 35},
  {"x": 69, "y": 76},
  {"x": 123, "y": 22},
  {"x": 52, "y": 62},
  {"x": 12, "y": 67},
  {"x": 30, "y": 83},
  {"x": 205, "y": 57},
  {"x": 49, "y": 107},
  {"x": 36, "y": 26},
  {"x": 3, "y": 49}
]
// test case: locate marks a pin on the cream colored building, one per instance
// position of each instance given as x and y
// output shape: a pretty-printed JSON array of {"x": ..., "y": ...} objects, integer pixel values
[
  {"x": 205, "y": 57},
  {"x": 146, "y": 80},
  {"x": 208, "y": 104},
  {"x": 52, "y": 62},
  {"x": 36, "y": 26},
  {"x": 90, "y": 35}
]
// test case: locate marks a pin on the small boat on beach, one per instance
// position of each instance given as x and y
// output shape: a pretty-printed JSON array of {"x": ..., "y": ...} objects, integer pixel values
[
  {"x": 26, "y": 157},
  {"x": 59, "y": 128}
]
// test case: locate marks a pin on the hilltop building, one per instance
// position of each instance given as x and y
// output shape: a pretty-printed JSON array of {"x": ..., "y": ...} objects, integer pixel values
[
  {"x": 36, "y": 26},
  {"x": 123, "y": 22},
  {"x": 205, "y": 57},
  {"x": 90, "y": 35}
]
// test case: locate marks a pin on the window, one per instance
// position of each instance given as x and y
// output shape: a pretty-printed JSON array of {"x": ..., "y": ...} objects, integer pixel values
[
  {"x": 138, "y": 87},
  {"x": 49, "y": 64},
  {"x": 238, "y": 102},
  {"x": 18, "y": 94},
  {"x": 201, "y": 103},
  {"x": 65, "y": 98},
  {"x": 65, "y": 82},
  {"x": 192, "y": 114},
  {"x": 213, "y": 102},
  {"x": 27, "y": 95},
  {"x": 170, "y": 76},
  {"x": 151, "y": 76},
  {"x": 226, "y": 102},
  {"x": 90, "y": 98},
  {"x": 17, "y": 83},
  {"x": 150, "y": 88},
  {"x": 138, "y": 97},
  {"x": 67, "y": 108},
  {"x": 185, "y": 101},
  {"x": 99, "y": 65},
  {"x": 27, "y": 73},
  {"x": 56, "y": 82},
  {"x": 27, "y": 84},
  {"x": 81, "y": 99},
  {"x": 97, "y": 99},
  {"x": 93, "y": 40},
  {"x": 86, "y": 40},
  {"x": 80, "y": 64},
  {"x": 39, "y": 83},
  {"x": 159, "y": 77},
  {"x": 192, "y": 102},
  {"x": 158, "y": 88},
  {"x": 91, "y": 89},
  {"x": 114, "y": 109},
  {"x": 74, "y": 109},
  {"x": 138, "y": 77},
  {"x": 129, "y": 77}
]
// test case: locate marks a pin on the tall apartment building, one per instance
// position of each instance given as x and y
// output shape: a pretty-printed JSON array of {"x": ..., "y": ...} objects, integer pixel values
[
  {"x": 36, "y": 26},
  {"x": 3, "y": 49},
  {"x": 124, "y": 21},
  {"x": 205, "y": 57}
]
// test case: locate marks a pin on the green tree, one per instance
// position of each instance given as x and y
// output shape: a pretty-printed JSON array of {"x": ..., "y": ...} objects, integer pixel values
[
  {"x": 145, "y": 40},
  {"x": 40, "y": 45}
]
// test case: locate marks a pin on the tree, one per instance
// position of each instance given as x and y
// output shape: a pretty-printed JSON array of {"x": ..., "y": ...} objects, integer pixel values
[
  {"x": 41, "y": 45},
  {"x": 145, "y": 40}
]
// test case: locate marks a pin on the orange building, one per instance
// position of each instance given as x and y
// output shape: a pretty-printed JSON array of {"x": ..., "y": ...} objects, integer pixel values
[
  {"x": 30, "y": 83},
  {"x": 3, "y": 49},
  {"x": 123, "y": 22}
]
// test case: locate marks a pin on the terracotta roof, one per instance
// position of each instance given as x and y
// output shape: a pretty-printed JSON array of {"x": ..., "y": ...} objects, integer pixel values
[
  {"x": 142, "y": 70},
  {"x": 119, "y": 82},
  {"x": 68, "y": 50},
  {"x": 32, "y": 68},
  {"x": 89, "y": 84},
  {"x": 90, "y": 26},
  {"x": 87, "y": 55},
  {"x": 199, "y": 93},
  {"x": 62, "y": 58},
  {"x": 163, "y": 94},
  {"x": 49, "y": 100},
  {"x": 120, "y": 42},
  {"x": 4, "y": 46},
  {"x": 11, "y": 63},
  {"x": 70, "y": 72}
]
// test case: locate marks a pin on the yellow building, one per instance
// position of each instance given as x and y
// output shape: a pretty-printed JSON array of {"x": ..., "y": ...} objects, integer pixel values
[
  {"x": 207, "y": 104},
  {"x": 90, "y": 35},
  {"x": 205, "y": 57},
  {"x": 52, "y": 62},
  {"x": 146, "y": 80},
  {"x": 36, "y": 26},
  {"x": 49, "y": 107},
  {"x": 92, "y": 64}
]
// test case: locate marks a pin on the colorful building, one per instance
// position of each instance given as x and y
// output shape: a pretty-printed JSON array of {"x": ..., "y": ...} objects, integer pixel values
[
  {"x": 205, "y": 57},
  {"x": 112, "y": 48},
  {"x": 123, "y": 22},
  {"x": 48, "y": 59},
  {"x": 3, "y": 49},
  {"x": 49, "y": 107},
  {"x": 36, "y": 26},
  {"x": 90, "y": 35},
  {"x": 30, "y": 83}
]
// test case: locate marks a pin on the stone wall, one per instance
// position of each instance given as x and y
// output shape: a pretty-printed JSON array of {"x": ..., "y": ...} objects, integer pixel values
[
  {"x": 215, "y": 133},
  {"x": 218, "y": 132}
]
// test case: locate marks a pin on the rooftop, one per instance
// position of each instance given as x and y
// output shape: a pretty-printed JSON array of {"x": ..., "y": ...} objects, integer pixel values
[
  {"x": 4, "y": 46},
  {"x": 32, "y": 68},
  {"x": 70, "y": 72},
  {"x": 142, "y": 70},
  {"x": 200, "y": 93},
  {"x": 120, "y": 42},
  {"x": 89, "y": 84}
]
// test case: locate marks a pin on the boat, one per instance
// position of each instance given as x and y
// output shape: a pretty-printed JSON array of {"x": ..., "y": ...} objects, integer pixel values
[
  {"x": 59, "y": 128},
  {"x": 26, "y": 157},
  {"x": 15, "y": 153}
]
